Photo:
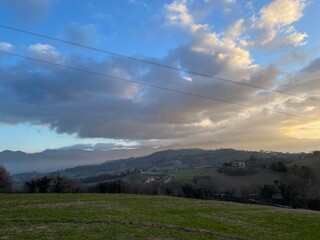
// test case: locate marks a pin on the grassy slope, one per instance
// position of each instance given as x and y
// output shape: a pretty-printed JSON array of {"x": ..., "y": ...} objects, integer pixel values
[
  {"x": 94, "y": 216},
  {"x": 188, "y": 174},
  {"x": 313, "y": 163}
]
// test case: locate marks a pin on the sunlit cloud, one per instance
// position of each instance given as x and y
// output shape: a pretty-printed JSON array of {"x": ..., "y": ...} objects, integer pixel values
[{"x": 304, "y": 131}]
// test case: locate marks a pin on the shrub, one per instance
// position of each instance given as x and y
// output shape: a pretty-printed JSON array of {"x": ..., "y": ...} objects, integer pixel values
[{"x": 278, "y": 167}]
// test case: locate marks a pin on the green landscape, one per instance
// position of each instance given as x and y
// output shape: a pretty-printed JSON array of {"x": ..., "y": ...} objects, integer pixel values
[
  {"x": 172, "y": 194},
  {"x": 159, "y": 120},
  {"x": 117, "y": 216},
  {"x": 264, "y": 177}
]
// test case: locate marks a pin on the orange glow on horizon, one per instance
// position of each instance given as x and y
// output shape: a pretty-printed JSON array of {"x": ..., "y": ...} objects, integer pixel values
[{"x": 303, "y": 131}]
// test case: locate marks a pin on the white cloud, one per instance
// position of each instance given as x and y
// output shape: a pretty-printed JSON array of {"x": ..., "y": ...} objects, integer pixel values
[
  {"x": 188, "y": 79},
  {"x": 272, "y": 27},
  {"x": 281, "y": 13},
  {"x": 45, "y": 51},
  {"x": 204, "y": 40},
  {"x": 235, "y": 30},
  {"x": 4, "y": 46},
  {"x": 177, "y": 13},
  {"x": 275, "y": 23}
]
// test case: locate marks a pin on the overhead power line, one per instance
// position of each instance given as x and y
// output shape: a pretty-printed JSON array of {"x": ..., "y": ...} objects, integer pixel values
[
  {"x": 118, "y": 55},
  {"x": 155, "y": 86}
]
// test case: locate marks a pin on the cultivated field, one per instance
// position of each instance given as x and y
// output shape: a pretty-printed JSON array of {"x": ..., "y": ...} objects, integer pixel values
[{"x": 102, "y": 216}]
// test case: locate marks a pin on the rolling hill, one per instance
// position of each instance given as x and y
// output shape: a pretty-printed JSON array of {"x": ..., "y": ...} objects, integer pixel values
[
  {"x": 51, "y": 160},
  {"x": 166, "y": 160},
  {"x": 107, "y": 216}
]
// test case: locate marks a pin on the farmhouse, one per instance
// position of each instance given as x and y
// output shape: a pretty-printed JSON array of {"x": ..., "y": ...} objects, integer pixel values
[
  {"x": 238, "y": 164},
  {"x": 151, "y": 179}
]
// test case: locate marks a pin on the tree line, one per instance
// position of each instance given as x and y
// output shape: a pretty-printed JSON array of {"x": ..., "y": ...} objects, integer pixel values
[
  {"x": 54, "y": 184},
  {"x": 298, "y": 188}
]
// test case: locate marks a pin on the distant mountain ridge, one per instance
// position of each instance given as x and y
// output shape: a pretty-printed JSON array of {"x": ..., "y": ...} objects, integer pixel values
[
  {"x": 165, "y": 160},
  {"x": 80, "y": 163},
  {"x": 52, "y": 160}
]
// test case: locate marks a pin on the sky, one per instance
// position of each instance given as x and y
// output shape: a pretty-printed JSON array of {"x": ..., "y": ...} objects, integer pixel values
[{"x": 272, "y": 44}]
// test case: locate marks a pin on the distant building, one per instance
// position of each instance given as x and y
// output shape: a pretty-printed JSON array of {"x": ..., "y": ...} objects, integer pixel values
[
  {"x": 238, "y": 164},
  {"x": 151, "y": 179},
  {"x": 167, "y": 180}
]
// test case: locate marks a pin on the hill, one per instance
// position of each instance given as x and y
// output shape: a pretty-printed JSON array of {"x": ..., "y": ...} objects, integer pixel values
[
  {"x": 17, "y": 162},
  {"x": 172, "y": 159},
  {"x": 262, "y": 177},
  {"x": 105, "y": 216}
]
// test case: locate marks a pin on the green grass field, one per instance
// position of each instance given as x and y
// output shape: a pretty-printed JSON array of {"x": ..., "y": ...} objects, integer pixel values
[
  {"x": 188, "y": 174},
  {"x": 103, "y": 216}
]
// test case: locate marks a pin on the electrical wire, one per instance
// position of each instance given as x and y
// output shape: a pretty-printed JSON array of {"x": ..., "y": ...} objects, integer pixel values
[
  {"x": 155, "y": 86},
  {"x": 186, "y": 71}
]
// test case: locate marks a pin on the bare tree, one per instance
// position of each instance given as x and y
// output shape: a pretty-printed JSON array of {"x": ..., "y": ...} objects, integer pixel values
[
  {"x": 43, "y": 184},
  {"x": 5, "y": 181},
  {"x": 31, "y": 186},
  {"x": 62, "y": 184}
]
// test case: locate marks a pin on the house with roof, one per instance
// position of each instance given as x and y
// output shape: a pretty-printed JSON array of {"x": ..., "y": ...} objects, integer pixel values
[{"x": 238, "y": 164}]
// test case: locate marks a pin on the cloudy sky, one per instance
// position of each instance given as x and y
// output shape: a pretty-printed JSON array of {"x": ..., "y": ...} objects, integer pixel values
[{"x": 270, "y": 44}]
